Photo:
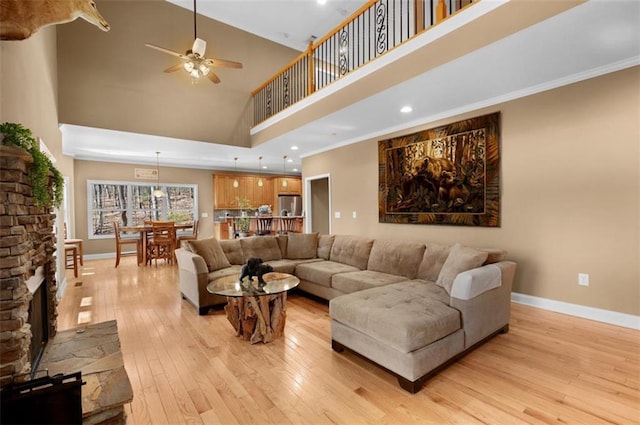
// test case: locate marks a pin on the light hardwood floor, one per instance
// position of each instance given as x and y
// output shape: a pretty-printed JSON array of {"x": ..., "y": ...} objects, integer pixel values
[{"x": 186, "y": 368}]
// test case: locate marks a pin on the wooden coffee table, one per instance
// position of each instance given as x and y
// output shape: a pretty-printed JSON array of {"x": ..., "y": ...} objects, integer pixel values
[{"x": 258, "y": 314}]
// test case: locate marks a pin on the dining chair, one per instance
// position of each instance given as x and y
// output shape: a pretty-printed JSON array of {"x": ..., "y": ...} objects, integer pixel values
[
  {"x": 287, "y": 225},
  {"x": 192, "y": 236},
  {"x": 126, "y": 240},
  {"x": 263, "y": 226},
  {"x": 76, "y": 242},
  {"x": 162, "y": 242}
]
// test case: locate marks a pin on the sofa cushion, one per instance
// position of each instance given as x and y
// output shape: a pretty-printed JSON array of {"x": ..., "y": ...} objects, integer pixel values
[
  {"x": 282, "y": 266},
  {"x": 434, "y": 257},
  {"x": 228, "y": 271},
  {"x": 265, "y": 247},
  {"x": 320, "y": 272},
  {"x": 301, "y": 246},
  {"x": 211, "y": 252},
  {"x": 404, "y": 315},
  {"x": 460, "y": 259},
  {"x": 325, "y": 242},
  {"x": 398, "y": 258},
  {"x": 364, "y": 279},
  {"x": 351, "y": 250},
  {"x": 233, "y": 251}
]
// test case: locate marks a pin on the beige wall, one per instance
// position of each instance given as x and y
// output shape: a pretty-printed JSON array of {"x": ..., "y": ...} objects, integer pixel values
[
  {"x": 29, "y": 95},
  {"x": 28, "y": 89},
  {"x": 112, "y": 80},
  {"x": 93, "y": 170},
  {"x": 570, "y": 192}
]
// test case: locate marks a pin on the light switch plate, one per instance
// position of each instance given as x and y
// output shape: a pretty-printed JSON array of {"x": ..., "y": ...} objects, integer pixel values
[
  {"x": 204, "y": 215},
  {"x": 337, "y": 214},
  {"x": 583, "y": 279}
]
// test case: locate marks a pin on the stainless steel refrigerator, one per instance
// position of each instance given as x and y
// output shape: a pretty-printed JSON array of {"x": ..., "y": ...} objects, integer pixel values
[{"x": 292, "y": 204}]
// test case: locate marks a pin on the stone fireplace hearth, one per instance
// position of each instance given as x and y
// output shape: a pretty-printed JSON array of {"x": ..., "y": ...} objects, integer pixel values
[{"x": 27, "y": 246}]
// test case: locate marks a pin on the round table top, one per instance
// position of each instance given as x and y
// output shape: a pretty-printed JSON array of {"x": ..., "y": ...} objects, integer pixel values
[{"x": 229, "y": 286}]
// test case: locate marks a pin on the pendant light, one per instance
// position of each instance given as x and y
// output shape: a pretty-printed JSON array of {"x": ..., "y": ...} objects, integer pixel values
[
  {"x": 158, "y": 193},
  {"x": 260, "y": 182},
  {"x": 235, "y": 169},
  {"x": 285, "y": 183}
]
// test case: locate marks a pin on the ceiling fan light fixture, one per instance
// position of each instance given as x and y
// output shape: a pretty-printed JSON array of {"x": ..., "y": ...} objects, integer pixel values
[
  {"x": 204, "y": 69},
  {"x": 188, "y": 66}
]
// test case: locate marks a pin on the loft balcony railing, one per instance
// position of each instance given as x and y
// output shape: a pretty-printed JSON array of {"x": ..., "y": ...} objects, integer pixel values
[{"x": 376, "y": 28}]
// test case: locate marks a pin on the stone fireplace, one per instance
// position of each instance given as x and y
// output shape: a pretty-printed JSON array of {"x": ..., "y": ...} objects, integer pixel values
[{"x": 27, "y": 267}]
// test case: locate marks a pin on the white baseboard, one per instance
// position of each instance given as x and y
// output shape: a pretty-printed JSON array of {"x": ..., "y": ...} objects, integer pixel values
[
  {"x": 105, "y": 255},
  {"x": 592, "y": 313}
]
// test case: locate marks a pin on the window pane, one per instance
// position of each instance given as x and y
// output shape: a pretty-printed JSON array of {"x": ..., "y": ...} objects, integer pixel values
[{"x": 131, "y": 204}]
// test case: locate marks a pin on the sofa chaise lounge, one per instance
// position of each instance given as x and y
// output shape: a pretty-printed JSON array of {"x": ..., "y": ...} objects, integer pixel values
[{"x": 410, "y": 307}]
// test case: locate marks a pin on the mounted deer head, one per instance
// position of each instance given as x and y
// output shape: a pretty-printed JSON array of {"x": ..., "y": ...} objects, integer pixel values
[{"x": 19, "y": 19}]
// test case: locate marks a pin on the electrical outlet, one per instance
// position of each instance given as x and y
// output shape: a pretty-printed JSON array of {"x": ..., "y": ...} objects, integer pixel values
[
  {"x": 204, "y": 215},
  {"x": 354, "y": 215},
  {"x": 337, "y": 214},
  {"x": 583, "y": 279}
]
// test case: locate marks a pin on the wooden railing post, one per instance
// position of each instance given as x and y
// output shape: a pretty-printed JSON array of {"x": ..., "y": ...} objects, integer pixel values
[
  {"x": 419, "y": 15},
  {"x": 311, "y": 80},
  {"x": 441, "y": 11}
]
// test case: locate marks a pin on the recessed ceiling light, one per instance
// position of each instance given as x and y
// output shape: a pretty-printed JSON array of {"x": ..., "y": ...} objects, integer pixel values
[
  {"x": 294, "y": 148},
  {"x": 295, "y": 170},
  {"x": 264, "y": 167},
  {"x": 322, "y": 1},
  {"x": 406, "y": 109},
  {"x": 289, "y": 160}
]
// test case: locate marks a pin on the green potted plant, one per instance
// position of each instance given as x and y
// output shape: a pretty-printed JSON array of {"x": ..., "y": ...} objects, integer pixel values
[
  {"x": 243, "y": 222},
  {"x": 14, "y": 134}
]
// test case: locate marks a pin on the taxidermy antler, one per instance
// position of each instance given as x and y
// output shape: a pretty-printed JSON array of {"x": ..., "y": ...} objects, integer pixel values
[{"x": 19, "y": 19}]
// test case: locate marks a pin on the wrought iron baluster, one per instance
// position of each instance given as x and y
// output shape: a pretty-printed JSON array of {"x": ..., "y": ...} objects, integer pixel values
[{"x": 381, "y": 28}]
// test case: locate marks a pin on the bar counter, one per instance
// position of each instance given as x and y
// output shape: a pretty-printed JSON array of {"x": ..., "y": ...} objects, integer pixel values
[{"x": 223, "y": 229}]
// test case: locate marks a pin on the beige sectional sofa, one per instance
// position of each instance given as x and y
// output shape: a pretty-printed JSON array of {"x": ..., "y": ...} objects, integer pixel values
[{"x": 410, "y": 307}]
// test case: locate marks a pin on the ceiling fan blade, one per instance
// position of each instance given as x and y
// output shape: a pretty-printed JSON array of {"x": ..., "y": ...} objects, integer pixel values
[
  {"x": 174, "y": 68},
  {"x": 213, "y": 77},
  {"x": 224, "y": 63},
  {"x": 162, "y": 49}
]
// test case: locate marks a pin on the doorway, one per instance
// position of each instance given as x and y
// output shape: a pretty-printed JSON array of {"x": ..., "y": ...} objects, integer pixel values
[{"x": 318, "y": 204}]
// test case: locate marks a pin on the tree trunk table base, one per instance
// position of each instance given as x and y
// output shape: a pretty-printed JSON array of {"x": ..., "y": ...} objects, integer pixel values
[{"x": 258, "y": 318}]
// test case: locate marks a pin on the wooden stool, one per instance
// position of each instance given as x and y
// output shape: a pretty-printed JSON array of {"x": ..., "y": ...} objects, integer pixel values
[{"x": 71, "y": 258}]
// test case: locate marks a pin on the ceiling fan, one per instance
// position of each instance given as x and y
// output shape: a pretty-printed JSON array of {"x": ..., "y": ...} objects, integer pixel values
[{"x": 193, "y": 61}]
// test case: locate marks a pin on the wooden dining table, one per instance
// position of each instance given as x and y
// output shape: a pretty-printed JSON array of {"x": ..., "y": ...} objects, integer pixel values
[{"x": 144, "y": 230}]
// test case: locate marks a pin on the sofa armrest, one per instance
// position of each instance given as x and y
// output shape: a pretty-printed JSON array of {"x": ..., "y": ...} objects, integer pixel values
[
  {"x": 191, "y": 262},
  {"x": 489, "y": 309},
  {"x": 474, "y": 282},
  {"x": 194, "y": 278}
]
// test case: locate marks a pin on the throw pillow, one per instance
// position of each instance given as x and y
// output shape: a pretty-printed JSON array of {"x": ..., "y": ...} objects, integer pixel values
[
  {"x": 325, "y": 242},
  {"x": 211, "y": 252},
  {"x": 302, "y": 246},
  {"x": 460, "y": 259},
  {"x": 232, "y": 250}
]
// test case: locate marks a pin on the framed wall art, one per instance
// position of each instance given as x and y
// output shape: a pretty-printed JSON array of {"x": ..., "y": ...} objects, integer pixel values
[{"x": 446, "y": 175}]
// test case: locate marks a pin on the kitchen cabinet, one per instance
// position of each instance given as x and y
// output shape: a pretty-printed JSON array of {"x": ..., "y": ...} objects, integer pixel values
[
  {"x": 293, "y": 187},
  {"x": 224, "y": 195}
]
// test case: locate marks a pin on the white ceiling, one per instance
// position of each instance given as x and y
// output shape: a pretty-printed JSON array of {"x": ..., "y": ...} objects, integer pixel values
[{"x": 586, "y": 41}]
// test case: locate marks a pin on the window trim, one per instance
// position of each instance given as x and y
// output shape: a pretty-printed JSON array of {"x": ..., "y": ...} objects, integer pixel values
[{"x": 163, "y": 186}]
